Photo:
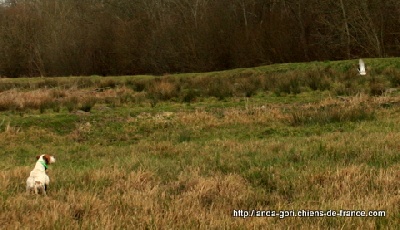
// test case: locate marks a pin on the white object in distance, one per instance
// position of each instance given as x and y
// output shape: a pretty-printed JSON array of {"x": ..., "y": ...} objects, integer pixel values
[{"x": 361, "y": 69}]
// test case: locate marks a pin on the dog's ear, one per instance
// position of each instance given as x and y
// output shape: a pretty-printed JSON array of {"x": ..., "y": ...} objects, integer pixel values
[
  {"x": 46, "y": 158},
  {"x": 37, "y": 157}
]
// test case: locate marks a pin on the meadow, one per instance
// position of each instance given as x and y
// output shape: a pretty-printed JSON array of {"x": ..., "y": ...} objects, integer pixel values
[{"x": 183, "y": 151}]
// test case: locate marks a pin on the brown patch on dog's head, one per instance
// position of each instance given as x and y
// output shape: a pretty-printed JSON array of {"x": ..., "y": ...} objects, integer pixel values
[
  {"x": 47, "y": 158},
  {"x": 37, "y": 157}
]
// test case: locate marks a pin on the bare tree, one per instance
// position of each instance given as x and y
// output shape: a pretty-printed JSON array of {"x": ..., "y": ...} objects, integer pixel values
[{"x": 70, "y": 37}]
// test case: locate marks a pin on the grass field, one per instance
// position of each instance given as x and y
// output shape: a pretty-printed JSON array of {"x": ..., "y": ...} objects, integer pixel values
[{"x": 184, "y": 151}]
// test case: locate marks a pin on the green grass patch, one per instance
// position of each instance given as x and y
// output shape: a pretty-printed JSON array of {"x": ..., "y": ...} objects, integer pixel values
[{"x": 175, "y": 163}]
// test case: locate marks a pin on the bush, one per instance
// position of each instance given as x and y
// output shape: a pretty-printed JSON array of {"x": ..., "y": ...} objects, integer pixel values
[
  {"x": 332, "y": 113},
  {"x": 112, "y": 101},
  {"x": 48, "y": 83},
  {"x": 163, "y": 90},
  {"x": 137, "y": 85},
  {"x": 109, "y": 83},
  {"x": 393, "y": 74},
  {"x": 44, "y": 105},
  {"x": 88, "y": 104},
  {"x": 8, "y": 105},
  {"x": 189, "y": 95},
  {"x": 247, "y": 86},
  {"x": 85, "y": 82},
  {"x": 378, "y": 85},
  {"x": 139, "y": 97},
  {"x": 219, "y": 87},
  {"x": 71, "y": 103},
  {"x": 287, "y": 83},
  {"x": 56, "y": 106},
  {"x": 57, "y": 93},
  {"x": 185, "y": 136},
  {"x": 318, "y": 79}
]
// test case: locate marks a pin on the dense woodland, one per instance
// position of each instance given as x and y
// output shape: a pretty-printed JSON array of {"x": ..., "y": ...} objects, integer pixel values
[{"x": 121, "y": 37}]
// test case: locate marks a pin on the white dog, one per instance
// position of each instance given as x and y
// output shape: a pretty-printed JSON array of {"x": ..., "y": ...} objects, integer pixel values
[{"x": 38, "y": 180}]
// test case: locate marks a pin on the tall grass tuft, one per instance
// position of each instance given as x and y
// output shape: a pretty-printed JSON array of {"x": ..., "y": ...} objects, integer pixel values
[
  {"x": 393, "y": 74},
  {"x": 87, "y": 104},
  {"x": 218, "y": 87},
  {"x": 163, "y": 89},
  {"x": 378, "y": 85},
  {"x": 71, "y": 103},
  {"x": 108, "y": 83},
  {"x": 46, "y": 104},
  {"x": 331, "y": 113}
]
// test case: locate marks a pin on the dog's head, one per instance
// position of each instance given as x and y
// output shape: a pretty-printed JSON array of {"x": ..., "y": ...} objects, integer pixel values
[{"x": 47, "y": 158}]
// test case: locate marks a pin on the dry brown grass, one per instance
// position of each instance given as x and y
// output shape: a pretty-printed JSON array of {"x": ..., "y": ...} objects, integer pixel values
[
  {"x": 132, "y": 199},
  {"x": 149, "y": 168},
  {"x": 18, "y": 100},
  {"x": 139, "y": 199},
  {"x": 163, "y": 90}
]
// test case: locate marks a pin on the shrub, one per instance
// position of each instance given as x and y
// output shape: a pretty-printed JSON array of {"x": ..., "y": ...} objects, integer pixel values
[
  {"x": 57, "y": 93},
  {"x": 287, "y": 83},
  {"x": 378, "y": 85},
  {"x": 43, "y": 106},
  {"x": 8, "y": 105},
  {"x": 112, "y": 101},
  {"x": 84, "y": 82},
  {"x": 139, "y": 97},
  {"x": 88, "y": 104},
  {"x": 219, "y": 87},
  {"x": 71, "y": 103},
  {"x": 163, "y": 90},
  {"x": 125, "y": 97},
  {"x": 247, "y": 86},
  {"x": 49, "y": 104},
  {"x": 153, "y": 99},
  {"x": 56, "y": 106},
  {"x": 48, "y": 83},
  {"x": 108, "y": 83},
  {"x": 4, "y": 86},
  {"x": 184, "y": 136},
  {"x": 393, "y": 74},
  {"x": 318, "y": 79},
  {"x": 332, "y": 113},
  {"x": 339, "y": 89},
  {"x": 137, "y": 85},
  {"x": 189, "y": 95}
]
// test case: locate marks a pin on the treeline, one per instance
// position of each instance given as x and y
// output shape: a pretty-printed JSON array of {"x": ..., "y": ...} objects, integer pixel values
[{"x": 121, "y": 37}]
